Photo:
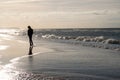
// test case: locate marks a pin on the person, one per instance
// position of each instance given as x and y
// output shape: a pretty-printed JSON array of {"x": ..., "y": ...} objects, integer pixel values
[
  {"x": 30, "y": 33},
  {"x": 30, "y": 50}
]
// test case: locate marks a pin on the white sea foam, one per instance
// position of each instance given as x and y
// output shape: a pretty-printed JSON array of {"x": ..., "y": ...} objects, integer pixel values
[
  {"x": 101, "y": 38},
  {"x": 99, "y": 41},
  {"x": 83, "y": 38},
  {"x": 19, "y": 58},
  {"x": 112, "y": 41}
]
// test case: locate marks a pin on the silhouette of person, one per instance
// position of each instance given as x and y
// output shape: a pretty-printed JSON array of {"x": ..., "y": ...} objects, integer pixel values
[
  {"x": 30, "y": 50},
  {"x": 30, "y": 33}
]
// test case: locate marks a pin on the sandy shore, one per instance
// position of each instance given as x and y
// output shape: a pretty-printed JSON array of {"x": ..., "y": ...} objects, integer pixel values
[
  {"x": 12, "y": 50},
  {"x": 56, "y": 61}
]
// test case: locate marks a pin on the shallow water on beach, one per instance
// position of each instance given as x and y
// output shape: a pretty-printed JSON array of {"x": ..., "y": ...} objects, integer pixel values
[
  {"x": 64, "y": 62},
  {"x": 53, "y": 60}
]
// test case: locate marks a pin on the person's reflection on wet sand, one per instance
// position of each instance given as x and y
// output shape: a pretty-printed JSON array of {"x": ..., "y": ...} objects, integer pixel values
[
  {"x": 30, "y": 50},
  {"x": 30, "y": 59}
]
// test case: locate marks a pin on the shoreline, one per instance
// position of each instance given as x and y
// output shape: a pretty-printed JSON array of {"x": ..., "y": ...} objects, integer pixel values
[
  {"x": 11, "y": 55},
  {"x": 11, "y": 49},
  {"x": 58, "y": 61}
]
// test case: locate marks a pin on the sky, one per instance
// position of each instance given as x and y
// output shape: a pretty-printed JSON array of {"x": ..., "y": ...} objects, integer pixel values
[{"x": 60, "y": 13}]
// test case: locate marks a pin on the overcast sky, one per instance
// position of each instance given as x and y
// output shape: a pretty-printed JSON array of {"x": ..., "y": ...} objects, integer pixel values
[{"x": 60, "y": 13}]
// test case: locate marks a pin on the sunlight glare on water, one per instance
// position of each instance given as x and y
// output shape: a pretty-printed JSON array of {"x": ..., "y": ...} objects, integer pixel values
[
  {"x": 6, "y": 36},
  {"x": 4, "y": 75},
  {"x": 8, "y": 31},
  {"x": 8, "y": 72},
  {"x": 3, "y": 47}
]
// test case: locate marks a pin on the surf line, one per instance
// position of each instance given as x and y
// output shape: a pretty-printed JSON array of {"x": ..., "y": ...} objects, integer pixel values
[
  {"x": 19, "y": 58},
  {"x": 15, "y": 60}
]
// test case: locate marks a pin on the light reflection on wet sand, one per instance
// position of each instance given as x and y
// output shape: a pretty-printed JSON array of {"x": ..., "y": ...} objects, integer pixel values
[
  {"x": 3, "y": 47},
  {"x": 12, "y": 71},
  {"x": 8, "y": 73}
]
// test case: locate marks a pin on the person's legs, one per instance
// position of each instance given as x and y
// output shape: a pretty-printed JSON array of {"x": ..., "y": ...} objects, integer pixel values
[
  {"x": 31, "y": 42},
  {"x": 30, "y": 50}
]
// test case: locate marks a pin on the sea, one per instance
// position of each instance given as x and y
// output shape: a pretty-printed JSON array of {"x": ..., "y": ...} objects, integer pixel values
[
  {"x": 60, "y": 54},
  {"x": 106, "y": 38}
]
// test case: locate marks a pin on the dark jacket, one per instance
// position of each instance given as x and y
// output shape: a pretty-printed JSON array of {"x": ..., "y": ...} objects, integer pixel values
[{"x": 30, "y": 32}]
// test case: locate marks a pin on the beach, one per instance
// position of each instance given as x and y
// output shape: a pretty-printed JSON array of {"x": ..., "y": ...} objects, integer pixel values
[
  {"x": 12, "y": 50},
  {"x": 51, "y": 60},
  {"x": 59, "y": 39}
]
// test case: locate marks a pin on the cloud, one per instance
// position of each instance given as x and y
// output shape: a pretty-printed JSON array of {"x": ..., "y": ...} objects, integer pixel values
[
  {"x": 72, "y": 12},
  {"x": 104, "y": 12},
  {"x": 18, "y": 1},
  {"x": 64, "y": 5}
]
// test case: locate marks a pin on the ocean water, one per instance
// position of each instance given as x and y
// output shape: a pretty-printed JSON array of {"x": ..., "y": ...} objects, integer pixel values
[
  {"x": 69, "y": 62},
  {"x": 106, "y": 38},
  {"x": 108, "y": 33},
  {"x": 76, "y": 54},
  {"x": 113, "y": 33}
]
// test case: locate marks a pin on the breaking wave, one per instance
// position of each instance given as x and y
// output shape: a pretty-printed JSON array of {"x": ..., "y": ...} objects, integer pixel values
[
  {"x": 108, "y": 38},
  {"x": 100, "y": 41}
]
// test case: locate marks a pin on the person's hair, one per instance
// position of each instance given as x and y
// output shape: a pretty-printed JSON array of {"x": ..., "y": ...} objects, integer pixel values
[{"x": 29, "y": 27}]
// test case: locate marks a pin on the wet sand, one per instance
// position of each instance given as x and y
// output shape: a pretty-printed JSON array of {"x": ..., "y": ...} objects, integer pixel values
[
  {"x": 12, "y": 50},
  {"x": 56, "y": 61}
]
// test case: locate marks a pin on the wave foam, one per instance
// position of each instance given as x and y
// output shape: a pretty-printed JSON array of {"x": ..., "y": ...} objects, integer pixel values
[
  {"x": 83, "y": 38},
  {"x": 99, "y": 41}
]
